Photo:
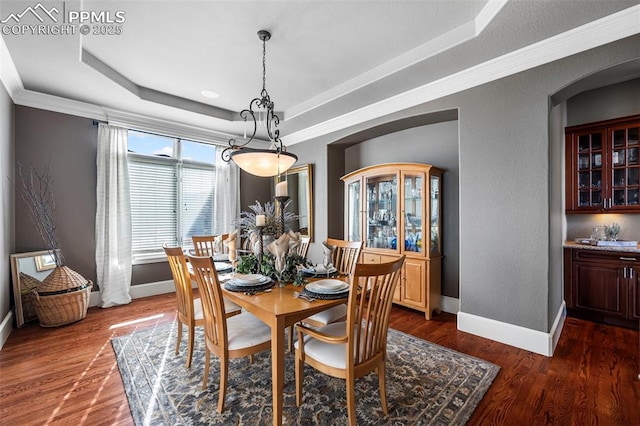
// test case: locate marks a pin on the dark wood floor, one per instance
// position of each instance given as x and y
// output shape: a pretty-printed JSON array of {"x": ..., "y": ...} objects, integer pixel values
[{"x": 69, "y": 376}]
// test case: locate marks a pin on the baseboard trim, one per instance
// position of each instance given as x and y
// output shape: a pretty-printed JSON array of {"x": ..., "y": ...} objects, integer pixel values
[
  {"x": 5, "y": 328},
  {"x": 514, "y": 335},
  {"x": 449, "y": 304},
  {"x": 139, "y": 291}
]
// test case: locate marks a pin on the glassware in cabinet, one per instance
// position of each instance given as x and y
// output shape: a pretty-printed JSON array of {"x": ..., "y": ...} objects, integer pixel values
[
  {"x": 434, "y": 200},
  {"x": 382, "y": 211},
  {"x": 413, "y": 212}
]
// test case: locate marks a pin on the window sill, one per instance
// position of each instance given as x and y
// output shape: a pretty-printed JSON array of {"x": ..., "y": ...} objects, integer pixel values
[{"x": 149, "y": 258}]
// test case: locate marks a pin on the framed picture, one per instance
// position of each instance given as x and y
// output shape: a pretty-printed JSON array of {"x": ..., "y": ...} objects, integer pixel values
[{"x": 45, "y": 262}]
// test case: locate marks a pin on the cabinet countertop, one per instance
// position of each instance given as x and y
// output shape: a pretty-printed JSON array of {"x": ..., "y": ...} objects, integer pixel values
[{"x": 574, "y": 245}]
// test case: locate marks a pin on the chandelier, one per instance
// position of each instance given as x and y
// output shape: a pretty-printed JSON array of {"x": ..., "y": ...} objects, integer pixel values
[{"x": 261, "y": 162}]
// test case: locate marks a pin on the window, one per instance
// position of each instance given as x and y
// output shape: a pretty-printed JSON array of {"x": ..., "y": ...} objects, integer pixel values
[{"x": 172, "y": 185}]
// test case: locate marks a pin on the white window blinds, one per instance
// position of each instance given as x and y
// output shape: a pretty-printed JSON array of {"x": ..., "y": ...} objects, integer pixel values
[
  {"x": 173, "y": 188},
  {"x": 198, "y": 194},
  {"x": 154, "y": 196}
]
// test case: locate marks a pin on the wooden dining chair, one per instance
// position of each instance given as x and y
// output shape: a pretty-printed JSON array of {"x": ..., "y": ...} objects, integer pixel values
[
  {"x": 303, "y": 248},
  {"x": 234, "y": 337},
  {"x": 208, "y": 245},
  {"x": 344, "y": 258},
  {"x": 189, "y": 309},
  {"x": 357, "y": 346}
]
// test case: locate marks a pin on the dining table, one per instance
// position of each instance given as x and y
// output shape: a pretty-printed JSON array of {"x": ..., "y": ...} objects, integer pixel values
[{"x": 279, "y": 309}]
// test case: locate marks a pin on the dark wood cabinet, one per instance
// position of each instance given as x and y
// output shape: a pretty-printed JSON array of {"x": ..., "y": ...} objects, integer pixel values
[
  {"x": 634, "y": 292},
  {"x": 603, "y": 166},
  {"x": 603, "y": 286}
]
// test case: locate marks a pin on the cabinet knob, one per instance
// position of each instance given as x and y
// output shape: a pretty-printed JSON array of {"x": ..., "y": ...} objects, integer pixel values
[{"x": 633, "y": 259}]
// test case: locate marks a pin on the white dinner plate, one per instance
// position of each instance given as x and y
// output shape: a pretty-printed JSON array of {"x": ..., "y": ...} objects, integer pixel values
[
  {"x": 249, "y": 279},
  {"x": 328, "y": 286},
  {"x": 222, "y": 266},
  {"x": 320, "y": 269}
]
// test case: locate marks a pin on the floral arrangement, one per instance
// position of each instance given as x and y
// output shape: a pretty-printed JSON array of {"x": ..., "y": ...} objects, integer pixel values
[
  {"x": 247, "y": 221},
  {"x": 249, "y": 264}
]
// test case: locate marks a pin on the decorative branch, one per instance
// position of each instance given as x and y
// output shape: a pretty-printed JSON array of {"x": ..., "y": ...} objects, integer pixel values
[{"x": 38, "y": 195}]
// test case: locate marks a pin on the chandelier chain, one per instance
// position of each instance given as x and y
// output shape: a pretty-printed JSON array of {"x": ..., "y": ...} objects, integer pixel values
[{"x": 264, "y": 65}]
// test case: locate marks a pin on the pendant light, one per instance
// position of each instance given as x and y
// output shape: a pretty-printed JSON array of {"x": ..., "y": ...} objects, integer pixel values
[{"x": 261, "y": 162}]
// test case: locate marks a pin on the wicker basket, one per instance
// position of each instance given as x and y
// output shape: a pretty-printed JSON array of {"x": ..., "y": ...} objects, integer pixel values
[{"x": 62, "y": 298}]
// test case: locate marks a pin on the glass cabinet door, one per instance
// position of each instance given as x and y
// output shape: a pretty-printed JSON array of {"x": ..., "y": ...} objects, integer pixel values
[
  {"x": 413, "y": 212},
  {"x": 434, "y": 200},
  {"x": 382, "y": 212},
  {"x": 625, "y": 170},
  {"x": 353, "y": 211},
  {"x": 590, "y": 163}
]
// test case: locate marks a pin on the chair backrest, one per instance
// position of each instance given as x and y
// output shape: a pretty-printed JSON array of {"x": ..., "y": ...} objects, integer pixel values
[
  {"x": 369, "y": 305},
  {"x": 345, "y": 255},
  {"x": 205, "y": 245},
  {"x": 215, "y": 324},
  {"x": 181, "y": 279},
  {"x": 303, "y": 248}
]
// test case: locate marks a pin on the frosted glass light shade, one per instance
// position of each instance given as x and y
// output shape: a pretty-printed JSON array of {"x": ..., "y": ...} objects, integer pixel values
[{"x": 263, "y": 162}]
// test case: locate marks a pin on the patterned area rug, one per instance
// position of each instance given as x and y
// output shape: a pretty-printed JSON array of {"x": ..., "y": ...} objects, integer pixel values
[{"x": 426, "y": 384}]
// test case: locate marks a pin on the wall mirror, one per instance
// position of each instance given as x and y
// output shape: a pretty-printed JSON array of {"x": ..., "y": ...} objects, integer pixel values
[
  {"x": 28, "y": 270},
  {"x": 300, "y": 189}
]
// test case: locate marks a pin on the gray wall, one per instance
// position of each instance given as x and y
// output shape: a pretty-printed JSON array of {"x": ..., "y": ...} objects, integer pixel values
[
  {"x": 435, "y": 144},
  {"x": 508, "y": 200},
  {"x": 7, "y": 197},
  {"x": 67, "y": 144},
  {"x": 612, "y": 101}
]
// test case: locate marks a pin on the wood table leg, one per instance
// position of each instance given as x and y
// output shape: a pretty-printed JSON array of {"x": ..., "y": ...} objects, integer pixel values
[{"x": 277, "y": 369}]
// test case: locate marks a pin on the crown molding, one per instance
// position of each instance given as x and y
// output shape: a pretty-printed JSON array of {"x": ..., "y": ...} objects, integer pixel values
[
  {"x": 166, "y": 127},
  {"x": 591, "y": 35},
  {"x": 58, "y": 104}
]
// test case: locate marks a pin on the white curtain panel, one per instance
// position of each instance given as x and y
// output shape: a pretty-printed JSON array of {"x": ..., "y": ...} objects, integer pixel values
[
  {"x": 227, "y": 194},
  {"x": 113, "y": 217}
]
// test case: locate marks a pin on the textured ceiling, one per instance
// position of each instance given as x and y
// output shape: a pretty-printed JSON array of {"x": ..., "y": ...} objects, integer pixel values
[{"x": 325, "y": 58}]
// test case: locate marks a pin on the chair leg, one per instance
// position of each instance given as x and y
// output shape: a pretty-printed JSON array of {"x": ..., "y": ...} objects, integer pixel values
[
  {"x": 351, "y": 400},
  {"x": 190, "y": 347},
  {"x": 299, "y": 366},
  {"x": 383, "y": 391},
  {"x": 178, "y": 337},
  {"x": 290, "y": 338},
  {"x": 207, "y": 358},
  {"x": 224, "y": 371}
]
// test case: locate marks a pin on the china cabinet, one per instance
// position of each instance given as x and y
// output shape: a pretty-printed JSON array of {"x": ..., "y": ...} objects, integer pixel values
[
  {"x": 603, "y": 286},
  {"x": 603, "y": 166},
  {"x": 395, "y": 209}
]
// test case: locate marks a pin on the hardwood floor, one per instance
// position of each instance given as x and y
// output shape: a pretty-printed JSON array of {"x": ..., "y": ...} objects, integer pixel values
[{"x": 68, "y": 375}]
